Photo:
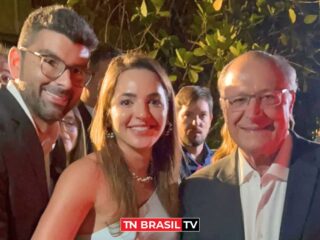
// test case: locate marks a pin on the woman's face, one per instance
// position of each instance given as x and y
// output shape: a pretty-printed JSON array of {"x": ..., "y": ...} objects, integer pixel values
[
  {"x": 139, "y": 109},
  {"x": 69, "y": 131}
]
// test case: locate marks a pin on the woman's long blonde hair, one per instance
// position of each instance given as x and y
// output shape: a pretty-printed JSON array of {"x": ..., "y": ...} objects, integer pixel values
[
  {"x": 227, "y": 145},
  {"x": 165, "y": 152}
]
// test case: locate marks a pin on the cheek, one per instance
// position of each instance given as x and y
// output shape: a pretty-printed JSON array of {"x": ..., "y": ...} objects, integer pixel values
[
  {"x": 74, "y": 136},
  {"x": 280, "y": 116},
  {"x": 160, "y": 115},
  {"x": 232, "y": 118},
  {"x": 76, "y": 93},
  {"x": 119, "y": 117}
]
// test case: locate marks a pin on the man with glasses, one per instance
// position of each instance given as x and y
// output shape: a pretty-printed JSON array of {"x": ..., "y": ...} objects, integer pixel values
[
  {"x": 269, "y": 187},
  {"x": 50, "y": 70}
]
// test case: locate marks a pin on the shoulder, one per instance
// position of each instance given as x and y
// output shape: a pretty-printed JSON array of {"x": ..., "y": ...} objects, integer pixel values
[
  {"x": 205, "y": 178},
  {"x": 84, "y": 173},
  {"x": 305, "y": 149},
  {"x": 211, "y": 171}
]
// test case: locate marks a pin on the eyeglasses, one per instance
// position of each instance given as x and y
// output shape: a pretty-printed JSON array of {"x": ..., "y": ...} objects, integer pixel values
[
  {"x": 4, "y": 77},
  {"x": 68, "y": 125},
  {"x": 52, "y": 67},
  {"x": 267, "y": 99}
]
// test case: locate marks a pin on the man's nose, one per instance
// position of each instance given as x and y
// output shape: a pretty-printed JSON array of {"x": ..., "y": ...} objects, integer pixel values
[
  {"x": 65, "y": 80},
  {"x": 254, "y": 107},
  {"x": 196, "y": 120}
]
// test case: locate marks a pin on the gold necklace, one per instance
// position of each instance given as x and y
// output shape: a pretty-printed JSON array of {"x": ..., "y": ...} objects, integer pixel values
[{"x": 141, "y": 179}]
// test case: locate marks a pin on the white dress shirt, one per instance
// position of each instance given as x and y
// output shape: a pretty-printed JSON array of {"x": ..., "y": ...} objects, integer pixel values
[{"x": 262, "y": 198}]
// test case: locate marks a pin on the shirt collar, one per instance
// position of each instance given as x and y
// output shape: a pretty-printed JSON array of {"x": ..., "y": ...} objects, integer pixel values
[
  {"x": 16, "y": 94},
  {"x": 279, "y": 169}
]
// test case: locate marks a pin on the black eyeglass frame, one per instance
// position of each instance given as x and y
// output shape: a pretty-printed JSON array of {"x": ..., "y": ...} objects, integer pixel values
[{"x": 42, "y": 57}]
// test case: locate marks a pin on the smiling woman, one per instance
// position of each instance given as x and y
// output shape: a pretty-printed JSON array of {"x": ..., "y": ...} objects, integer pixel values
[{"x": 134, "y": 172}]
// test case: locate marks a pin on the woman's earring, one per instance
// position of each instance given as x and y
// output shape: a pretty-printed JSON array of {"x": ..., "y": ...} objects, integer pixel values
[
  {"x": 168, "y": 129},
  {"x": 110, "y": 135}
]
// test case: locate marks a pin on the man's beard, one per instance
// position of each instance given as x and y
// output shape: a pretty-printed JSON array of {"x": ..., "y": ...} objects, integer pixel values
[{"x": 195, "y": 142}]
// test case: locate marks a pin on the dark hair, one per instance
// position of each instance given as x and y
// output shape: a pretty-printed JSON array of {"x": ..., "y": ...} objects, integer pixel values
[
  {"x": 60, "y": 19},
  {"x": 190, "y": 94},
  {"x": 102, "y": 53}
]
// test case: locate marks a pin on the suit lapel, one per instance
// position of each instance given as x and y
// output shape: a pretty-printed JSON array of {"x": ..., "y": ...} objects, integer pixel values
[
  {"x": 300, "y": 189},
  {"x": 27, "y": 141},
  {"x": 228, "y": 175},
  {"x": 31, "y": 146}
]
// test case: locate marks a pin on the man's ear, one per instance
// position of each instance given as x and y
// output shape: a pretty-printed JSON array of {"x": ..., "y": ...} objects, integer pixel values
[
  {"x": 293, "y": 99},
  {"x": 223, "y": 107},
  {"x": 14, "y": 61}
]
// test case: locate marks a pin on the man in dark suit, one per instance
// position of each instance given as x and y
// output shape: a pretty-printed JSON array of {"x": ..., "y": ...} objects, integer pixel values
[
  {"x": 98, "y": 64},
  {"x": 269, "y": 188},
  {"x": 50, "y": 69}
]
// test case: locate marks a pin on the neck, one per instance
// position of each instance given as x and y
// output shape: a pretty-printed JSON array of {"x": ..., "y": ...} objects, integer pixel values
[
  {"x": 42, "y": 126},
  {"x": 138, "y": 161},
  {"x": 259, "y": 162},
  {"x": 195, "y": 152}
]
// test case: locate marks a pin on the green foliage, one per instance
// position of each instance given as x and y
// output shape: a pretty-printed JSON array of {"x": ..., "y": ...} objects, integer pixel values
[{"x": 194, "y": 39}]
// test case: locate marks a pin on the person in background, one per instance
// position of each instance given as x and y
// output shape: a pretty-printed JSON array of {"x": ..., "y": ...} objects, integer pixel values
[
  {"x": 49, "y": 67},
  {"x": 99, "y": 62},
  {"x": 72, "y": 134},
  {"x": 194, "y": 106},
  {"x": 134, "y": 171},
  {"x": 5, "y": 75},
  {"x": 269, "y": 186}
]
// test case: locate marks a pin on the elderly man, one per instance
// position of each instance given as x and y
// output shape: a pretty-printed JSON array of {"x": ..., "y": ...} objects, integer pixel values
[
  {"x": 269, "y": 188},
  {"x": 49, "y": 66},
  {"x": 194, "y": 116}
]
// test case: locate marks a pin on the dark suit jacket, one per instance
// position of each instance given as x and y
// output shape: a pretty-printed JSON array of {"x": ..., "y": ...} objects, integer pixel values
[
  {"x": 213, "y": 194},
  {"x": 86, "y": 119},
  {"x": 23, "y": 188}
]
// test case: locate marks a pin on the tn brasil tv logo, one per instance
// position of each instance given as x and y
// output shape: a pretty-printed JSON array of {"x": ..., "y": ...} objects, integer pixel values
[{"x": 160, "y": 224}]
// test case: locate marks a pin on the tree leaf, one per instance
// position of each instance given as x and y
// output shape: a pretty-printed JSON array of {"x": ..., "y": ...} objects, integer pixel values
[
  {"x": 292, "y": 15},
  {"x": 220, "y": 37},
  {"x": 143, "y": 8},
  {"x": 310, "y": 18},
  {"x": 179, "y": 57},
  {"x": 196, "y": 68},
  {"x": 199, "y": 52},
  {"x": 157, "y": 4},
  {"x": 217, "y": 4},
  {"x": 71, "y": 3},
  {"x": 164, "y": 14},
  {"x": 193, "y": 76},
  {"x": 234, "y": 51},
  {"x": 153, "y": 54},
  {"x": 283, "y": 39},
  {"x": 173, "y": 78}
]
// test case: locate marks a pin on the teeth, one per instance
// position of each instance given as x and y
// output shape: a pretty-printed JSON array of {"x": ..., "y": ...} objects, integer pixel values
[
  {"x": 140, "y": 128},
  {"x": 54, "y": 95}
]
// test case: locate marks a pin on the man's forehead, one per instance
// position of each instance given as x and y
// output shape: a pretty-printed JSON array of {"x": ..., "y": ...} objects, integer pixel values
[
  {"x": 56, "y": 42},
  {"x": 195, "y": 106},
  {"x": 251, "y": 71}
]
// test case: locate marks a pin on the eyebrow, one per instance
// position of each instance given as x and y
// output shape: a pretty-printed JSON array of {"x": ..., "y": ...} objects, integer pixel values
[{"x": 132, "y": 95}]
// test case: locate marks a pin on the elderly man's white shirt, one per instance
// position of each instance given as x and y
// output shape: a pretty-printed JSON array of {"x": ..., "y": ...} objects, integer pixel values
[{"x": 262, "y": 198}]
